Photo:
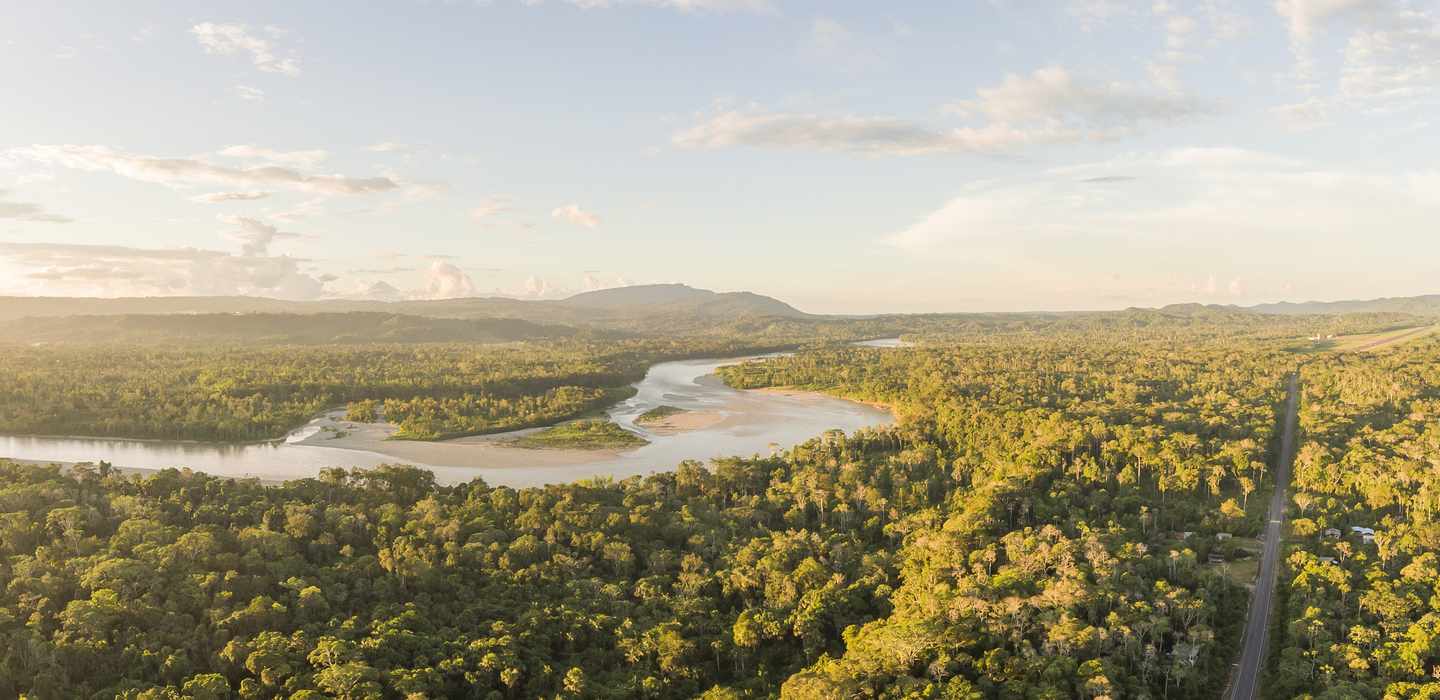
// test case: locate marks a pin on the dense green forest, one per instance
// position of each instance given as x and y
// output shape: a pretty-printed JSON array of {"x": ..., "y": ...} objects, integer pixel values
[
  {"x": 1014, "y": 536},
  {"x": 261, "y": 392},
  {"x": 1362, "y": 614}
]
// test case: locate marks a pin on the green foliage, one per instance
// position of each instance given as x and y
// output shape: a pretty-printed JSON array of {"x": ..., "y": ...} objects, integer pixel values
[
  {"x": 658, "y": 414},
  {"x": 583, "y": 435},
  {"x": 1362, "y": 619},
  {"x": 261, "y": 392},
  {"x": 1010, "y": 538}
]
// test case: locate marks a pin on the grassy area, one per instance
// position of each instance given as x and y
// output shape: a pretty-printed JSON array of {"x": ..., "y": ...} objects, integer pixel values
[
  {"x": 657, "y": 414},
  {"x": 582, "y": 435},
  {"x": 1241, "y": 571},
  {"x": 1377, "y": 341}
]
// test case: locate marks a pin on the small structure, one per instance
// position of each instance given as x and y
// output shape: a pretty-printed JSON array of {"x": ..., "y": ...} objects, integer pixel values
[
  {"x": 1332, "y": 533},
  {"x": 1222, "y": 536},
  {"x": 1216, "y": 558},
  {"x": 1187, "y": 534}
]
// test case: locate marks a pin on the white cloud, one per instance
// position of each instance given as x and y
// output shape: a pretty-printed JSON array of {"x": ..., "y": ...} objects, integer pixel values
[
  {"x": 1047, "y": 107},
  {"x": 219, "y": 197},
  {"x": 228, "y": 39},
  {"x": 572, "y": 213},
  {"x": 255, "y": 236},
  {"x": 28, "y": 211},
  {"x": 309, "y": 158},
  {"x": 446, "y": 281},
  {"x": 1395, "y": 62},
  {"x": 125, "y": 271},
  {"x": 249, "y": 93},
  {"x": 189, "y": 171}
]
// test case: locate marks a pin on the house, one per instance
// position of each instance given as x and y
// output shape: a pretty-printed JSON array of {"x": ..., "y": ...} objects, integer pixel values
[
  {"x": 1216, "y": 558},
  {"x": 1332, "y": 533},
  {"x": 1187, "y": 534},
  {"x": 1327, "y": 560},
  {"x": 1357, "y": 530},
  {"x": 1222, "y": 536},
  {"x": 1368, "y": 538}
]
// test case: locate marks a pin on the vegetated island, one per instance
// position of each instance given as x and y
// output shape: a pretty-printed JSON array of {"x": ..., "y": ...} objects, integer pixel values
[
  {"x": 657, "y": 415},
  {"x": 582, "y": 435}
]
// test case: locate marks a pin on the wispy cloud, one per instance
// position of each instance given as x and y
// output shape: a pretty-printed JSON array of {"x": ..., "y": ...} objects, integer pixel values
[
  {"x": 191, "y": 171},
  {"x": 110, "y": 270},
  {"x": 28, "y": 211},
  {"x": 307, "y": 158},
  {"x": 219, "y": 197},
  {"x": 1049, "y": 106},
  {"x": 229, "y": 39}
]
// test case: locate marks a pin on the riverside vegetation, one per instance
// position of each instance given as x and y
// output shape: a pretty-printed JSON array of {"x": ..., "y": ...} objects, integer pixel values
[{"x": 1012, "y": 536}]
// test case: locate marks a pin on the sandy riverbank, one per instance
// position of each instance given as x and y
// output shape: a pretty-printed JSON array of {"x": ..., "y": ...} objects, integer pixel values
[
  {"x": 686, "y": 421},
  {"x": 488, "y": 451}
]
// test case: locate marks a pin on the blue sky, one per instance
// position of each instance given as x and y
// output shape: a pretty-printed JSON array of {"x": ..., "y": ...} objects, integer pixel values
[{"x": 844, "y": 156}]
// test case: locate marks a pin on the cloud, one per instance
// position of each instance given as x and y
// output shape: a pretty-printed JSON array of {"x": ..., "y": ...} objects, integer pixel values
[
  {"x": 249, "y": 93},
  {"x": 1229, "y": 202},
  {"x": 1047, "y": 107},
  {"x": 125, "y": 271},
  {"x": 218, "y": 197},
  {"x": 255, "y": 236},
  {"x": 1394, "y": 62},
  {"x": 189, "y": 171},
  {"x": 1307, "y": 114},
  {"x": 1052, "y": 96},
  {"x": 1305, "y": 17},
  {"x": 572, "y": 213},
  {"x": 28, "y": 211},
  {"x": 446, "y": 281},
  {"x": 228, "y": 39},
  {"x": 308, "y": 159}
]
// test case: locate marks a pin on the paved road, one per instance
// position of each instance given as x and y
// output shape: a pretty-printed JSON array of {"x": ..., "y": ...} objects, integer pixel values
[{"x": 1257, "y": 627}]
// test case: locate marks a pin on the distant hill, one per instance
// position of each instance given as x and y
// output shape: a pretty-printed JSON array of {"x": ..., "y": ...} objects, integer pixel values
[
  {"x": 679, "y": 298},
  {"x": 667, "y": 307},
  {"x": 270, "y": 328},
  {"x": 1426, "y": 305}
]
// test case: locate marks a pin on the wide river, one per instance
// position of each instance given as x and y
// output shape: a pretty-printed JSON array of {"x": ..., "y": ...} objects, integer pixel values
[{"x": 742, "y": 423}]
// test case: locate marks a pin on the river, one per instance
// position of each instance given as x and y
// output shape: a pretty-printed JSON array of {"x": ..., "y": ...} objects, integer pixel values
[{"x": 734, "y": 423}]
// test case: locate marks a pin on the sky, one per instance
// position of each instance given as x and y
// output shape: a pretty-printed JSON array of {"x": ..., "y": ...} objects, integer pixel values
[{"x": 846, "y": 156}]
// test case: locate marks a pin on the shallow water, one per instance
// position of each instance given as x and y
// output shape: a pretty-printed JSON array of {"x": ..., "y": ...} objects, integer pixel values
[{"x": 752, "y": 423}]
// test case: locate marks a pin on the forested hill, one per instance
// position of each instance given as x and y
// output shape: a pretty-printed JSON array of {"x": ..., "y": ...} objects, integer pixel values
[
  {"x": 271, "y": 328},
  {"x": 619, "y": 307},
  {"x": 1426, "y": 305}
]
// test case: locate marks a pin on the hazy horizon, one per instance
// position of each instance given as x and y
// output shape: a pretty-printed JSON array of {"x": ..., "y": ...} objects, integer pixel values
[
  {"x": 843, "y": 157},
  {"x": 880, "y": 312}
]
